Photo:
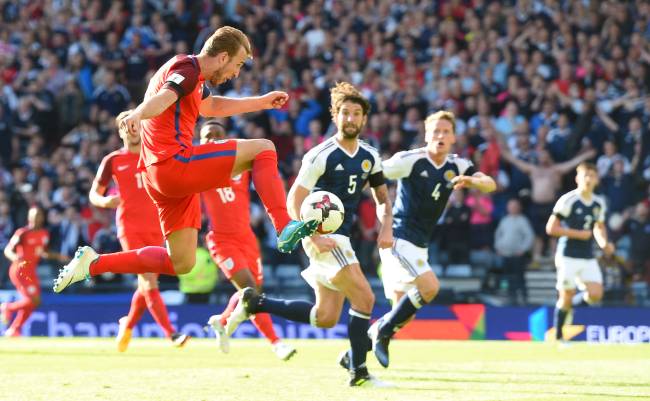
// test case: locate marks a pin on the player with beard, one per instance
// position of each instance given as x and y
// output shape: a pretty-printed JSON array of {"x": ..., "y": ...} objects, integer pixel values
[
  {"x": 342, "y": 165},
  {"x": 175, "y": 172}
]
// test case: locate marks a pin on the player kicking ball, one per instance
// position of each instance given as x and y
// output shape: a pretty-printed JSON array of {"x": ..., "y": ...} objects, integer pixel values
[
  {"x": 578, "y": 216},
  {"x": 137, "y": 227},
  {"x": 342, "y": 165},
  {"x": 425, "y": 179},
  {"x": 233, "y": 247},
  {"x": 175, "y": 172}
]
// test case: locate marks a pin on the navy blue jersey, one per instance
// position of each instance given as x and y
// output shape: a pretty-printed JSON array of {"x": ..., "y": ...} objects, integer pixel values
[
  {"x": 328, "y": 167},
  {"x": 578, "y": 214},
  {"x": 423, "y": 189}
]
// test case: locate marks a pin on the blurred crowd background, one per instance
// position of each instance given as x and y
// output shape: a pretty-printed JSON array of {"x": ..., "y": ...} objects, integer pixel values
[{"x": 537, "y": 86}]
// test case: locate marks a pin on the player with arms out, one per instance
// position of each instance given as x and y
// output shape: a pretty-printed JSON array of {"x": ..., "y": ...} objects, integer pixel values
[
  {"x": 577, "y": 216},
  {"x": 25, "y": 249},
  {"x": 137, "y": 227},
  {"x": 342, "y": 165},
  {"x": 174, "y": 172},
  {"x": 233, "y": 246},
  {"x": 425, "y": 179}
]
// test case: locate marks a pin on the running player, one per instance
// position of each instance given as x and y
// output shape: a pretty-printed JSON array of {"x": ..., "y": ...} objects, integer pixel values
[
  {"x": 25, "y": 249},
  {"x": 233, "y": 246},
  {"x": 174, "y": 172},
  {"x": 136, "y": 228},
  {"x": 577, "y": 216},
  {"x": 426, "y": 177},
  {"x": 342, "y": 165}
]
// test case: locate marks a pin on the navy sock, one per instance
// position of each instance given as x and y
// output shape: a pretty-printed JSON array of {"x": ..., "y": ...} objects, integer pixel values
[
  {"x": 359, "y": 341},
  {"x": 558, "y": 321},
  {"x": 298, "y": 311},
  {"x": 406, "y": 307}
]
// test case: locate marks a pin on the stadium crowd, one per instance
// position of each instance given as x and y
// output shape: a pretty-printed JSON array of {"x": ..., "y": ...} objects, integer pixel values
[{"x": 536, "y": 87}]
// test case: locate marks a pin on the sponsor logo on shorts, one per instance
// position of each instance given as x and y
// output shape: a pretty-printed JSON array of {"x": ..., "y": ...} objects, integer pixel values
[
  {"x": 349, "y": 254},
  {"x": 419, "y": 262}
]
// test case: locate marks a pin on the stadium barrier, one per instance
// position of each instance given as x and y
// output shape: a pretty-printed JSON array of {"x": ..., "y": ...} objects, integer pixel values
[{"x": 97, "y": 315}]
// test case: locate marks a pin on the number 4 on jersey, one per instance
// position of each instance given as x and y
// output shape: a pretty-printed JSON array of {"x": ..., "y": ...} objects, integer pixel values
[{"x": 436, "y": 193}]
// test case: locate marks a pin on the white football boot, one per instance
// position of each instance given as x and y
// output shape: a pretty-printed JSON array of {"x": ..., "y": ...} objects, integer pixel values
[{"x": 77, "y": 269}]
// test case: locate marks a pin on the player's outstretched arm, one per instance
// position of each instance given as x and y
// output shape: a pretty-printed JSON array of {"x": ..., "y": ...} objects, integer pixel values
[
  {"x": 221, "y": 106},
  {"x": 385, "y": 216},
  {"x": 149, "y": 108},
  {"x": 478, "y": 180}
]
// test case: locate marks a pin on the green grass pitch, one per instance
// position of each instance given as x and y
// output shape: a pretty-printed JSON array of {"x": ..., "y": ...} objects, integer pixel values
[{"x": 75, "y": 369}]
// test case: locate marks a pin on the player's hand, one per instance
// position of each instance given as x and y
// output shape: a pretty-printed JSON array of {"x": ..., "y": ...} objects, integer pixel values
[
  {"x": 112, "y": 201},
  {"x": 274, "y": 100},
  {"x": 385, "y": 238},
  {"x": 323, "y": 244},
  {"x": 609, "y": 249},
  {"x": 462, "y": 181},
  {"x": 131, "y": 124}
]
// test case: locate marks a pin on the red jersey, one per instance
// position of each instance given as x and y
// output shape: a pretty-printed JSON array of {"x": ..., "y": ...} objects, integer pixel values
[
  {"x": 165, "y": 135},
  {"x": 136, "y": 212},
  {"x": 228, "y": 208},
  {"x": 29, "y": 244}
]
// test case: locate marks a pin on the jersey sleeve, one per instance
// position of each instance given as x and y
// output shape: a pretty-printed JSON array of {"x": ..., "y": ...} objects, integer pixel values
[
  {"x": 182, "y": 78},
  {"x": 310, "y": 172},
  {"x": 398, "y": 166},
  {"x": 105, "y": 171},
  {"x": 562, "y": 208},
  {"x": 465, "y": 167}
]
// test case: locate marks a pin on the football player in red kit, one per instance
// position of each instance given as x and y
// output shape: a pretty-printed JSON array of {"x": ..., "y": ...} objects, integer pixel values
[
  {"x": 233, "y": 246},
  {"x": 175, "y": 172},
  {"x": 137, "y": 227},
  {"x": 25, "y": 249}
]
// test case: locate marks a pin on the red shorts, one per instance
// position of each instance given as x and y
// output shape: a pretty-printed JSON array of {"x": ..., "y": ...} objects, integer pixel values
[
  {"x": 25, "y": 279},
  {"x": 175, "y": 184},
  {"x": 133, "y": 241},
  {"x": 235, "y": 253}
]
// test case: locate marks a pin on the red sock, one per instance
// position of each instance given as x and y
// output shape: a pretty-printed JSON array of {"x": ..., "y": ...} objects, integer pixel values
[
  {"x": 21, "y": 317},
  {"x": 150, "y": 259},
  {"x": 270, "y": 188},
  {"x": 232, "y": 303},
  {"x": 138, "y": 305},
  {"x": 158, "y": 310},
  {"x": 20, "y": 305},
  {"x": 264, "y": 324}
]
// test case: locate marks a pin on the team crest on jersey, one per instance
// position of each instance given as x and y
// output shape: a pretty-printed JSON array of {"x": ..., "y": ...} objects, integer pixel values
[
  {"x": 366, "y": 166},
  {"x": 579, "y": 210},
  {"x": 449, "y": 175}
]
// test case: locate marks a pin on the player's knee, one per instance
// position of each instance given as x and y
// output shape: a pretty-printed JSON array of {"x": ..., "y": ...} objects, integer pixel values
[
  {"x": 429, "y": 289},
  {"x": 327, "y": 320},
  {"x": 365, "y": 302},
  {"x": 185, "y": 265},
  {"x": 595, "y": 296}
]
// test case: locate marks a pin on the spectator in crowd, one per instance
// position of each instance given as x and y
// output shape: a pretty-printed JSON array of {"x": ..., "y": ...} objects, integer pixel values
[{"x": 513, "y": 239}]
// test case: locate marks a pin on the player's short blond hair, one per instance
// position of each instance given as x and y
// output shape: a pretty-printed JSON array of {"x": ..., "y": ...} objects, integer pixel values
[
  {"x": 586, "y": 166},
  {"x": 119, "y": 119},
  {"x": 227, "y": 39},
  {"x": 345, "y": 91},
  {"x": 441, "y": 115}
]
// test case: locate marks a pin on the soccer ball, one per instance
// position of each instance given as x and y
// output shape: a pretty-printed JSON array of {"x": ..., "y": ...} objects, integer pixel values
[{"x": 325, "y": 207}]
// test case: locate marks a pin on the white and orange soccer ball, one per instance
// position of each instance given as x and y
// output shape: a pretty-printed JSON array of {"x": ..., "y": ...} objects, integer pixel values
[{"x": 325, "y": 207}]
